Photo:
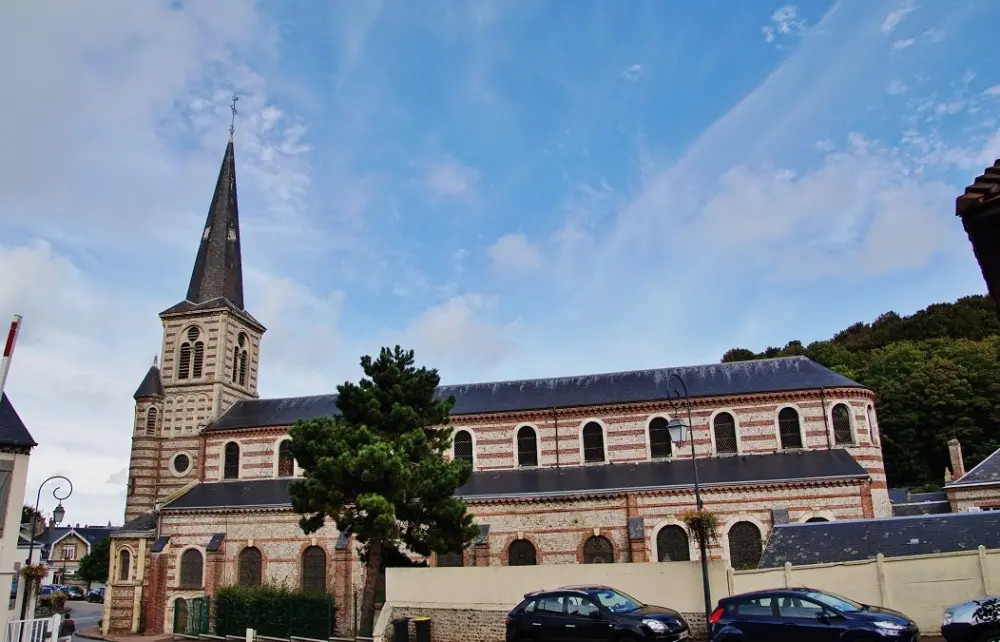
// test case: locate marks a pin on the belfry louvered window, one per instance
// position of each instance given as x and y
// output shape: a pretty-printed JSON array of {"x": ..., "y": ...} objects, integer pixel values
[
  {"x": 593, "y": 443},
  {"x": 598, "y": 550},
  {"x": 231, "y": 465},
  {"x": 314, "y": 570},
  {"x": 724, "y": 426},
  {"x": 521, "y": 553},
  {"x": 789, "y": 428},
  {"x": 151, "y": 421},
  {"x": 191, "y": 568},
  {"x": 842, "y": 433},
  {"x": 672, "y": 544},
  {"x": 527, "y": 446},
  {"x": 250, "y": 566},
  {"x": 240, "y": 356},
  {"x": 286, "y": 461},
  {"x": 659, "y": 439},
  {"x": 463, "y": 446},
  {"x": 744, "y": 546},
  {"x": 191, "y": 356}
]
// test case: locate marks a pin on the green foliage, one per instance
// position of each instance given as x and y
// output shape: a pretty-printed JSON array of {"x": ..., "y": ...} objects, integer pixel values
[
  {"x": 378, "y": 469},
  {"x": 27, "y": 512},
  {"x": 94, "y": 565},
  {"x": 704, "y": 524},
  {"x": 936, "y": 374},
  {"x": 273, "y": 611}
]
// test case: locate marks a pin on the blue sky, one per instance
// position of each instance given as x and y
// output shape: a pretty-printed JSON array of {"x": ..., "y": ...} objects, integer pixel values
[{"x": 513, "y": 189}]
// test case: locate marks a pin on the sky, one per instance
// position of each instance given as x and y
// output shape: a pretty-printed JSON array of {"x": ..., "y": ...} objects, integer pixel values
[{"x": 512, "y": 189}]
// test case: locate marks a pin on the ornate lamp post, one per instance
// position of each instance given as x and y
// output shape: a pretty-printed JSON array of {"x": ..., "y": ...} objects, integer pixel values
[
  {"x": 679, "y": 432},
  {"x": 57, "y": 516}
]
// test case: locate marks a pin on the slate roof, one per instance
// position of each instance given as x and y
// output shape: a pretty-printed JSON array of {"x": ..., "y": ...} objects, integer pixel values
[
  {"x": 904, "y": 503},
  {"x": 568, "y": 480},
  {"x": 91, "y": 534},
  {"x": 720, "y": 379},
  {"x": 862, "y": 539},
  {"x": 152, "y": 385},
  {"x": 986, "y": 472},
  {"x": 144, "y": 522},
  {"x": 13, "y": 432}
]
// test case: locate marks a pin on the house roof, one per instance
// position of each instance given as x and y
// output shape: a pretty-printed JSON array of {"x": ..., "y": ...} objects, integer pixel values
[
  {"x": 48, "y": 538},
  {"x": 905, "y": 503},
  {"x": 784, "y": 374},
  {"x": 863, "y": 539},
  {"x": 568, "y": 480},
  {"x": 985, "y": 472},
  {"x": 13, "y": 432}
]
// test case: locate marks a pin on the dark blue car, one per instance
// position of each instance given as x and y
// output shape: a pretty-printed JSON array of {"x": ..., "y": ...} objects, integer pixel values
[{"x": 790, "y": 615}]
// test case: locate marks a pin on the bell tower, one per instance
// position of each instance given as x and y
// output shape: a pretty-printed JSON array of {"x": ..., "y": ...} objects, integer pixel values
[{"x": 210, "y": 350}]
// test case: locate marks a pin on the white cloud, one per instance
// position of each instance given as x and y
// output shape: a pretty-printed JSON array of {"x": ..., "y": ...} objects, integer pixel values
[
  {"x": 895, "y": 17},
  {"x": 450, "y": 179},
  {"x": 992, "y": 91},
  {"x": 515, "y": 255},
  {"x": 459, "y": 336},
  {"x": 897, "y": 87},
  {"x": 784, "y": 21},
  {"x": 906, "y": 43},
  {"x": 632, "y": 73}
]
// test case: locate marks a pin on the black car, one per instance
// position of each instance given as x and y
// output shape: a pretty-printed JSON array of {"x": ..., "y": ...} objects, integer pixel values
[
  {"x": 591, "y": 613},
  {"x": 789, "y": 615},
  {"x": 96, "y": 595},
  {"x": 973, "y": 621}
]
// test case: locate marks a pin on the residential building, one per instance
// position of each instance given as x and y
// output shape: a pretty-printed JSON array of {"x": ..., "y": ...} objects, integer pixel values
[{"x": 15, "y": 450}]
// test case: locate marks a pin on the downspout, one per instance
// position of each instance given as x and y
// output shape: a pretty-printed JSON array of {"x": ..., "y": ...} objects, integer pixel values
[
  {"x": 555, "y": 421},
  {"x": 826, "y": 420}
]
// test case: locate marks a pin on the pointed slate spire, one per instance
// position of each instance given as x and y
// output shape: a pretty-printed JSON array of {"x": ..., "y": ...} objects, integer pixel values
[
  {"x": 218, "y": 267},
  {"x": 152, "y": 385}
]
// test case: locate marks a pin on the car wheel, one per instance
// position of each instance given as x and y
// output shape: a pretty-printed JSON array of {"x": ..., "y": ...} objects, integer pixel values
[{"x": 989, "y": 636}]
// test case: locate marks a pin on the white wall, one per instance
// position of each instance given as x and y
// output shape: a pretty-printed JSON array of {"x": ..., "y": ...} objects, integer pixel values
[{"x": 9, "y": 554}]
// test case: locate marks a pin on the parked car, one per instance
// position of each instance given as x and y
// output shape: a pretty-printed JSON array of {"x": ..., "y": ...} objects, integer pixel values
[
  {"x": 973, "y": 621},
  {"x": 805, "y": 614},
  {"x": 594, "y": 613},
  {"x": 47, "y": 589},
  {"x": 74, "y": 593},
  {"x": 96, "y": 595}
]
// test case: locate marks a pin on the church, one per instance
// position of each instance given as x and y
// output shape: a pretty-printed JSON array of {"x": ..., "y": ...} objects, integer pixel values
[{"x": 579, "y": 469}]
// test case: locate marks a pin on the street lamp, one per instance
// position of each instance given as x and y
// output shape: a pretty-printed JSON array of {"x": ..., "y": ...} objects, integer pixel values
[
  {"x": 677, "y": 393},
  {"x": 57, "y": 516}
]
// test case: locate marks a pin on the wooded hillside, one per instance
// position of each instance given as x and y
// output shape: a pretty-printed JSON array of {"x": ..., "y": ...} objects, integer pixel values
[{"x": 936, "y": 374}]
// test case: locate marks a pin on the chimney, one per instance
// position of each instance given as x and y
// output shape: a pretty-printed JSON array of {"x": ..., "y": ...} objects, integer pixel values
[
  {"x": 52, "y": 524},
  {"x": 957, "y": 465}
]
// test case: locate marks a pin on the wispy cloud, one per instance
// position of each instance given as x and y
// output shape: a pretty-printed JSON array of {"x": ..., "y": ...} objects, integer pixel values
[
  {"x": 895, "y": 17},
  {"x": 784, "y": 22},
  {"x": 514, "y": 255},
  {"x": 450, "y": 179},
  {"x": 906, "y": 43},
  {"x": 632, "y": 73}
]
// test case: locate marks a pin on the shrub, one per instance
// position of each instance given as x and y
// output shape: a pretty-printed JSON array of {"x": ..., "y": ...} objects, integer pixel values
[
  {"x": 703, "y": 524},
  {"x": 272, "y": 611}
]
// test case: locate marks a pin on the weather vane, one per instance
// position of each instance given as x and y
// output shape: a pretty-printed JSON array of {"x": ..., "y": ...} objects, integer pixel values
[{"x": 232, "y": 108}]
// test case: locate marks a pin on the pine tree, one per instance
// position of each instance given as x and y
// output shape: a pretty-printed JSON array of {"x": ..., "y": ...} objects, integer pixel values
[{"x": 378, "y": 471}]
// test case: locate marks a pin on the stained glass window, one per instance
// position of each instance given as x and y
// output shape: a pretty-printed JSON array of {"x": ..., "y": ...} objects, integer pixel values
[
  {"x": 521, "y": 553},
  {"x": 463, "y": 446},
  {"x": 191, "y": 568},
  {"x": 659, "y": 439},
  {"x": 527, "y": 446},
  {"x": 124, "y": 565},
  {"x": 598, "y": 550},
  {"x": 842, "y": 433},
  {"x": 250, "y": 563},
  {"x": 232, "y": 461},
  {"x": 724, "y": 426},
  {"x": 744, "y": 546},
  {"x": 314, "y": 570},
  {"x": 788, "y": 427},
  {"x": 286, "y": 462},
  {"x": 672, "y": 544},
  {"x": 593, "y": 443}
]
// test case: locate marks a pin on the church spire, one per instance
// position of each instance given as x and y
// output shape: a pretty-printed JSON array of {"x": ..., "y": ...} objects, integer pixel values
[{"x": 218, "y": 268}]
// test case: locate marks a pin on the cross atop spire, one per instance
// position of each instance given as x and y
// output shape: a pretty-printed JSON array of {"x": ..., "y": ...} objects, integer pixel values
[
  {"x": 218, "y": 267},
  {"x": 232, "y": 125}
]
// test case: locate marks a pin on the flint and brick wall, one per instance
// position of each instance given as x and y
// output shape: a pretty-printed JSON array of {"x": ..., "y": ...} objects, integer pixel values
[{"x": 962, "y": 499}]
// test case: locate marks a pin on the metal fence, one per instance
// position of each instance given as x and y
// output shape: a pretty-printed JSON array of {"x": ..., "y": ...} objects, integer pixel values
[{"x": 280, "y": 619}]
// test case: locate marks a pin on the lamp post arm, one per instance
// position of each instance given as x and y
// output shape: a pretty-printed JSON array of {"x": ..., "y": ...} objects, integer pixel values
[{"x": 34, "y": 527}]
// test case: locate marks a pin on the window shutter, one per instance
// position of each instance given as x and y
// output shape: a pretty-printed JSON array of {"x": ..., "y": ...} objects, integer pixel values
[{"x": 6, "y": 472}]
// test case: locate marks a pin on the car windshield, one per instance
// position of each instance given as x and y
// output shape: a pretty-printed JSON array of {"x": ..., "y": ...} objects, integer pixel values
[
  {"x": 842, "y": 604},
  {"x": 615, "y": 601}
]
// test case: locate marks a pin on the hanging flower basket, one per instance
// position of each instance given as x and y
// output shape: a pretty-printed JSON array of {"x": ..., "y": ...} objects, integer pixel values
[
  {"x": 704, "y": 525},
  {"x": 34, "y": 571}
]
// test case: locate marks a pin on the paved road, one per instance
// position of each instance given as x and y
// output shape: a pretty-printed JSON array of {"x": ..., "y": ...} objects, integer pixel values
[{"x": 85, "y": 615}]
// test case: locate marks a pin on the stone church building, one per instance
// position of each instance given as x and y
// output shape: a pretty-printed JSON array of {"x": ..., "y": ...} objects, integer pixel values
[{"x": 570, "y": 470}]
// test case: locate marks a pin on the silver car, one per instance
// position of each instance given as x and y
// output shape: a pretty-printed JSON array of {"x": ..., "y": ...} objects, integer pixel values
[{"x": 973, "y": 621}]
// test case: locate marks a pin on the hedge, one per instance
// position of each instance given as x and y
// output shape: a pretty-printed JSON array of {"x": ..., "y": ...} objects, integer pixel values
[{"x": 272, "y": 611}]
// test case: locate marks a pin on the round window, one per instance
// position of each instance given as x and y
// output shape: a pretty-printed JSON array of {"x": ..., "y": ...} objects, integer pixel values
[{"x": 181, "y": 463}]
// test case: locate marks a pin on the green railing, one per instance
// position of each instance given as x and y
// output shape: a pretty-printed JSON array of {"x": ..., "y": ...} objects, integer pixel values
[{"x": 191, "y": 617}]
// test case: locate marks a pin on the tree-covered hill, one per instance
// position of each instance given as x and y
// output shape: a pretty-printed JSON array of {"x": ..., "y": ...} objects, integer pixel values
[{"x": 936, "y": 374}]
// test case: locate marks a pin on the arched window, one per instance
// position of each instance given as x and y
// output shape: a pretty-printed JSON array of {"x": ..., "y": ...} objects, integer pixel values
[
  {"x": 286, "y": 461},
  {"x": 724, "y": 427},
  {"x": 672, "y": 544},
  {"x": 250, "y": 566},
  {"x": 527, "y": 446},
  {"x": 745, "y": 546},
  {"x": 463, "y": 446},
  {"x": 124, "y": 565},
  {"x": 659, "y": 439},
  {"x": 873, "y": 426},
  {"x": 314, "y": 570},
  {"x": 231, "y": 466},
  {"x": 789, "y": 428},
  {"x": 151, "y": 421},
  {"x": 192, "y": 356},
  {"x": 521, "y": 552},
  {"x": 240, "y": 356},
  {"x": 191, "y": 568},
  {"x": 842, "y": 433},
  {"x": 598, "y": 550},
  {"x": 593, "y": 443}
]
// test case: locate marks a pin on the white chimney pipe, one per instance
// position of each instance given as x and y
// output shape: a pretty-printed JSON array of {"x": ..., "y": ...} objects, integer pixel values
[{"x": 8, "y": 350}]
